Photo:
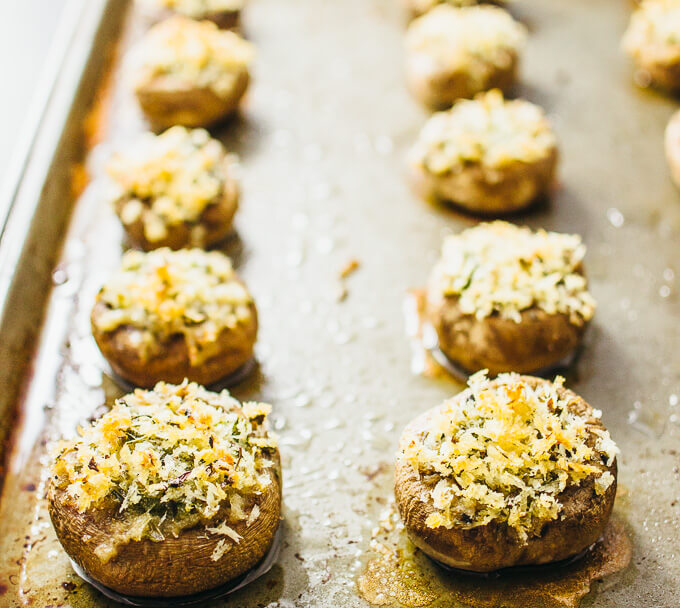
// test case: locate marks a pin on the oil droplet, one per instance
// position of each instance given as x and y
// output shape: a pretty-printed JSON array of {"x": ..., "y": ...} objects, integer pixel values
[
  {"x": 313, "y": 152},
  {"x": 295, "y": 258},
  {"x": 615, "y": 217},
  {"x": 321, "y": 191},
  {"x": 59, "y": 276},
  {"x": 282, "y": 139},
  {"x": 324, "y": 245},
  {"x": 300, "y": 221},
  {"x": 384, "y": 145}
]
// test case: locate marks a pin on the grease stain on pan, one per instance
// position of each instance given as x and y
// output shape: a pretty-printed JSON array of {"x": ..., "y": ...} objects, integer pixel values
[
  {"x": 401, "y": 575},
  {"x": 419, "y": 333}
]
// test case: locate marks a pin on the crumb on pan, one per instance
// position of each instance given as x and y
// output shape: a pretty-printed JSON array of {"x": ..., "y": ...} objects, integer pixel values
[
  {"x": 169, "y": 179},
  {"x": 196, "y": 52},
  {"x": 466, "y": 37},
  {"x": 501, "y": 268},
  {"x": 176, "y": 451},
  {"x": 488, "y": 130},
  {"x": 504, "y": 451},
  {"x": 350, "y": 267},
  {"x": 164, "y": 293}
]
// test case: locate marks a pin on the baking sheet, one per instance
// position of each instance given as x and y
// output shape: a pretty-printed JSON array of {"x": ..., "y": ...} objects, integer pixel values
[{"x": 322, "y": 141}]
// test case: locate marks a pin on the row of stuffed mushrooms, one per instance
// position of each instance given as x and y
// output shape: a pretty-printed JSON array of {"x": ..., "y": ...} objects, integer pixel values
[
  {"x": 176, "y": 490},
  {"x": 516, "y": 470}
]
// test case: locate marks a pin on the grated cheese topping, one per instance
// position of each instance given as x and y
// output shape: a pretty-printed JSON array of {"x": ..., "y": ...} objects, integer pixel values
[
  {"x": 169, "y": 179},
  {"x": 654, "y": 22},
  {"x": 501, "y": 268},
  {"x": 200, "y": 8},
  {"x": 504, "y": 451},
  {"x": 196, "y": 52},
  {"x": 164, "y": 293},
  {"x": 465, "y": 37},
  {"x": 487, "y": 130},
  {"x": 178, "y": 451}
]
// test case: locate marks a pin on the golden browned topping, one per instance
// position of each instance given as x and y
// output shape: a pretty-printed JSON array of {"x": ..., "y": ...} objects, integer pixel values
[
  {"x": 504, "y": 451},
  {"x": 654, "y": 23},
  {"x": 169, "y": 179},
  {"x": 164, "y": 293},
  {"x": 502, "y": 268},
  {"x": 487, "y": 130},
  {"x": 196, "y": 52},
  {"x": 175, "y": 451},
  {"x": 466, "y": 37},
  {"x": 200, "y": 8}
]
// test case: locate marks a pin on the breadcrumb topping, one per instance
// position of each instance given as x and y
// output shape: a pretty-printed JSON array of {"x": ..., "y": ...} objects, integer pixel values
[
  {"x": 487, "y": 130},
  {"x": 467, "y": 37},
  {"x": 169, "y": 179},
  {"x": 501, "y": 268},
  {"x": 164, "y": 293},
  {"x": 200, "y": 8},
  {"x": 504, "y": 451},
  {"x": 175, "y": 451},
  {"x": 653, "y": 23},
  {"x": 196, "y": 52}
]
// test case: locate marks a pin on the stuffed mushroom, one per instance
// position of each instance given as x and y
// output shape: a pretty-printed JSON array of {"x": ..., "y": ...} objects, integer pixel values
[
  {"x": 172, "y": 492},
  {"x": 224, "y": 13},
  {"x": 653, "y": 42},
  {"x": 514, "y": 471},
  {"x": 458, "y": 52},
  {"x": 175, "y": 190},
  {"x": 170, "y": 315},
  {"x": 190, "y": 73},
  {"x": 504, "y": 298},
  {"x": 488, "y": 156}
]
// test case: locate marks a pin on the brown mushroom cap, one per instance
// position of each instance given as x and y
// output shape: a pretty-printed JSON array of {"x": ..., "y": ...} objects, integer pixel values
[
  {"x": 540, "y": 340},
  {"x": 438, "y": 87},
  {"x": 172, "y": 567},
  {"x": 216, "y": 219},
  {"x": 171, "y": 362},
  {"x": 224, "y": 19},
  {"x": 494, "y": 546},
  {"x": 167, "y": 101},
  {"x": 489, "y": 191}
]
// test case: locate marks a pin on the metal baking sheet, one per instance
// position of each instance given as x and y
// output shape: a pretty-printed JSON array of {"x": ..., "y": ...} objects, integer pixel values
[{"x": 322, "y": 141}]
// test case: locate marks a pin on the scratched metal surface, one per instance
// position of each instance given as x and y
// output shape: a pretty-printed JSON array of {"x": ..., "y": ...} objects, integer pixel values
[{"x": 322, "y": 141}]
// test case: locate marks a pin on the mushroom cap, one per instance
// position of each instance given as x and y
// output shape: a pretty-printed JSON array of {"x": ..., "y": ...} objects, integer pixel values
[{"x": 171, "y": 363}]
